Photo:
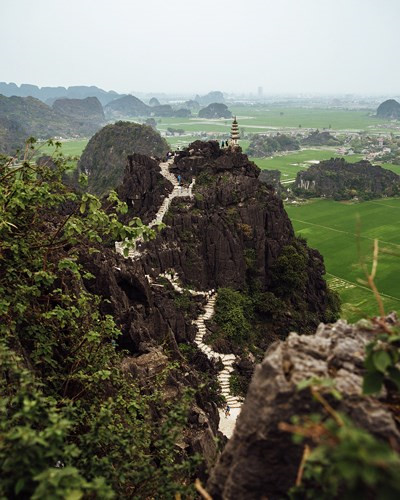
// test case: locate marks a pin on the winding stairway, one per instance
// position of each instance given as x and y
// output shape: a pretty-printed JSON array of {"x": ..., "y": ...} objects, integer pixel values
[
  {"x": 227, "y": 423},
  {"x": 177, "y": 192}
]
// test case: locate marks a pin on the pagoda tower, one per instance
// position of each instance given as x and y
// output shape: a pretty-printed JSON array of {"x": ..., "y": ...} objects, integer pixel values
[{"x": 235, "y": 133}]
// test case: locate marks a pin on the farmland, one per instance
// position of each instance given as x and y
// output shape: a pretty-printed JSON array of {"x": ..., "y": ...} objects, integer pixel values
[{"x": 344, "y": 234}]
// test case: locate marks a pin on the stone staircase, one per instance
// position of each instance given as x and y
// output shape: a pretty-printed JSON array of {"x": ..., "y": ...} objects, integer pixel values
[
  {"x": 178, "y": 191},
  {"x": 227, "y": 359}
]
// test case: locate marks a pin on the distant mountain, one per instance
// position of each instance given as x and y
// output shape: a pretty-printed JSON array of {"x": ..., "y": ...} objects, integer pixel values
[
  {"x": 389, "y": 109},
  {"x": 215, "y": 96},
  {"x": 29, "y": 116},
  {"x": 215, "y": 110},
  {"x": 318, "y": 138},
  {"x": 88, "y": 112},
  {"x": 127, "y": 106},
  {"x": 105, "y": 157},
  {"x": 154, "y": 102},
  {"x": 193, "y": 105},
  {"x": 263, "y": 145},
  {"x": 46, "y": 93},
  {"x": 338, "y": 179},
  {"x": 35, "y": 117}
]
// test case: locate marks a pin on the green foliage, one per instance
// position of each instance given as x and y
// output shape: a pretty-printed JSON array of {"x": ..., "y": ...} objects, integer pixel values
[
  {"x": 204, "y": 179},
  {"x": 289, "y": 271},
  {"x": 63, "y": 397},
  {"x": 348, "y": 463},
  {"x": 233, "y": 314},
  {"x": 383, "y": 355},
  {"x": 183, "y": 301}
]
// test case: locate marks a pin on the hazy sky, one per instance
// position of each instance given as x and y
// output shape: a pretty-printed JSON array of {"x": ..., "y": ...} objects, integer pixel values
[{"x": 285, "y": 46}]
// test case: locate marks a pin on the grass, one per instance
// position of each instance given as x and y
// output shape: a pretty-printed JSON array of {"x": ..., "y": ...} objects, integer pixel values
[
  {"x": 279, "y": 117},
  {"x": 71, "y": 147},
  {"x": 332, "y": 228}
]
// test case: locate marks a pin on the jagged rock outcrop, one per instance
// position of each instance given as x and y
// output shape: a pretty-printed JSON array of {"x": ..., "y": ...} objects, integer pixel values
[
  {"x": 261, "y": 461},
  {"x": 88, "y": 112},
  {"x": 335, "y": 178},
  {"x": 104, "y": 158},
  {"x": 215, "y": 110},
  {"x": 143, "y": 187},
  {"x": 153, "y": 327},
  {"x": 233, "y": 233},
  {"x": 389, "y": 109}
]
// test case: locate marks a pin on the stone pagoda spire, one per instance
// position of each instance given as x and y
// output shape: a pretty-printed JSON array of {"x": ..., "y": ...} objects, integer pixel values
[{"x": 235, "y": 133}]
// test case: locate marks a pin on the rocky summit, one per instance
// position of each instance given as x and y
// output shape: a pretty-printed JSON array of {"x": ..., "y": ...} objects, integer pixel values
[{"x": 233, "y": 232}]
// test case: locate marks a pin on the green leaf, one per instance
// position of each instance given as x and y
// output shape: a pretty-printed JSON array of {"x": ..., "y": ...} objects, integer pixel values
[
  {"x": 394, "y": 375},
  {"x": 372, "y": 382},
  {"x": 381, "y": 360}
]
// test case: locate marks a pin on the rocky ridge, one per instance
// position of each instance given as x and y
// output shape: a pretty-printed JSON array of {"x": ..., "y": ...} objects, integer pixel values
[{"x": 260, "y": 460}]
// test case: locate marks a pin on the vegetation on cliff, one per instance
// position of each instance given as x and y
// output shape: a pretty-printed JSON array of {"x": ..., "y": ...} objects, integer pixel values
[
  {"x": 72, "y": 424},
  {"x": 105, "y": 157}
]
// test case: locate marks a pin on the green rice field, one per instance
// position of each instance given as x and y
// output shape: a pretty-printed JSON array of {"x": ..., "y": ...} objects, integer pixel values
[
  {"x": 344, "y": 234},
  {"x": 69, "y": 148}
]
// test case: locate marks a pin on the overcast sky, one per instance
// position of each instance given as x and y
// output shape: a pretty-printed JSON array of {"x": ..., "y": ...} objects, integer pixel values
[{"x": 285, "y": 46}]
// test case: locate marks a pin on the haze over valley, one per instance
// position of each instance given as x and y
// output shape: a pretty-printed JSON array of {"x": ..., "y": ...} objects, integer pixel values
[{"x": 200, "y": 250}]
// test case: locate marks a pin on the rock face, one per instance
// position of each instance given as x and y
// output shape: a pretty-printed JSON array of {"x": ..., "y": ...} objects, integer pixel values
[
  {"x": 232, "y": 233},
  {"x": 143, "y": 187},
  {"x": 89, "y": 112},
  {"x": 215, "y": 110},
  {"x": 104, "y": 158},
  {"x": 341, "y": 180},
  {"x": 260, "y": 461},
  {"x": 271, "y": 178},
  {"x": 389, "y": 109}
]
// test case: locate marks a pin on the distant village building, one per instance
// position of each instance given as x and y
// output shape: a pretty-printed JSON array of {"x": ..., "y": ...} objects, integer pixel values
[{"x": 235, "y": 136}]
